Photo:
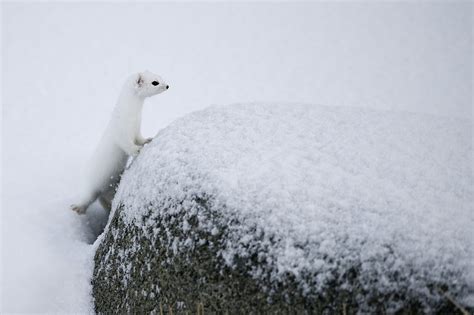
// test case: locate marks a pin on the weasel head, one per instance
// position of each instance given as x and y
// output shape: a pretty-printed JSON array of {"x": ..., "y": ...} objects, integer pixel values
[{"x": 146, "y": 84}]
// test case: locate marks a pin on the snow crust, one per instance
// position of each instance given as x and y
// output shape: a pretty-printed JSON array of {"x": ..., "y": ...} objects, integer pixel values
[{"x": 335, "y": 186}]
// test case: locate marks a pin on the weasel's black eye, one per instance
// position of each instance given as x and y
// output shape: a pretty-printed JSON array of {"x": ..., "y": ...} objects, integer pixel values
[{"x": 155, "y": 83}]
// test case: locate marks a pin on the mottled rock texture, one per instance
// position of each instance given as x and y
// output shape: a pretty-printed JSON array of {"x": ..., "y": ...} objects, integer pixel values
[
  {"x": 137, "y": 271},
  {"x": 180, "y": 240}
]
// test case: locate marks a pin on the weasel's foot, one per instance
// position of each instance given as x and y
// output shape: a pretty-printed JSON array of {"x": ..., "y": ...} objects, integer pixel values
[
  {"x": 136, "y": 150},
  {"x": 78, "y": 209},
  {"x": 148, "y": 140}
]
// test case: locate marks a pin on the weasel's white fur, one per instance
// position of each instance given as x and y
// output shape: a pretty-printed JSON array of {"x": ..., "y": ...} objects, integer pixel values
[{"x": 122, "y": 138}]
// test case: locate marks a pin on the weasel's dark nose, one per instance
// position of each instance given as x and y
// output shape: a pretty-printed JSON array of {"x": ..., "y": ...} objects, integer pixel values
[
  {"x": 155, "y": 83},
  {"x": 167, "y": 87}
]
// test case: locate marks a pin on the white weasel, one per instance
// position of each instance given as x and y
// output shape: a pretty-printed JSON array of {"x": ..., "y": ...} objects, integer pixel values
[{"x": 122, "y": 138}]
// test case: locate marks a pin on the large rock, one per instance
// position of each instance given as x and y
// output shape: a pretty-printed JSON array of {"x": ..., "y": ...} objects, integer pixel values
[{"x": 265, "y": 208}]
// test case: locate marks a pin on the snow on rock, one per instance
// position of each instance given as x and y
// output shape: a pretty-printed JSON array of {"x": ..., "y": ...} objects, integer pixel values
[{"x": 377, "y": 203}]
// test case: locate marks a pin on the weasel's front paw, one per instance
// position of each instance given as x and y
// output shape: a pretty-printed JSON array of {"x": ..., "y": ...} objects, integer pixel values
[
  {"x": 136, "y": 150},
  {"x": 148, "y": 140},
  {"x": 78, "y": 209}
]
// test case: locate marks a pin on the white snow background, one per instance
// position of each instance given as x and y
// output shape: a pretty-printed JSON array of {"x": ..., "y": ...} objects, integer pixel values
[{"x": 63, "y": 65}]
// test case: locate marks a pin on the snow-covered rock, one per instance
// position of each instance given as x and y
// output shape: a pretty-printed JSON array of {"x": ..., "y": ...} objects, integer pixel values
[{"x": 264, "y": 207}]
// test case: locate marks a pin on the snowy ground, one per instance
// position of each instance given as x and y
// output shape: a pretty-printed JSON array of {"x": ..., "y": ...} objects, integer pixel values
[{"x": 63, "y": 65}]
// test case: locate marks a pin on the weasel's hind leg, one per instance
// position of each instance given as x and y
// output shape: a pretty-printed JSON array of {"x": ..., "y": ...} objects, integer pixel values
[
  {"x": 106, "y": 203},
  {"x": 81, "y": 208},
  {"x": 107, "y": 195}
]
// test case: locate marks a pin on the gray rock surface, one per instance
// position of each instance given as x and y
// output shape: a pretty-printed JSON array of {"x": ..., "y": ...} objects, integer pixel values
[{"x": 180, "y": 237}]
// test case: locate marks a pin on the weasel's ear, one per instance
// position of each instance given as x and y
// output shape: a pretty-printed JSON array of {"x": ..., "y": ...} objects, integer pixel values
[{"x": 139, "y": 80}]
